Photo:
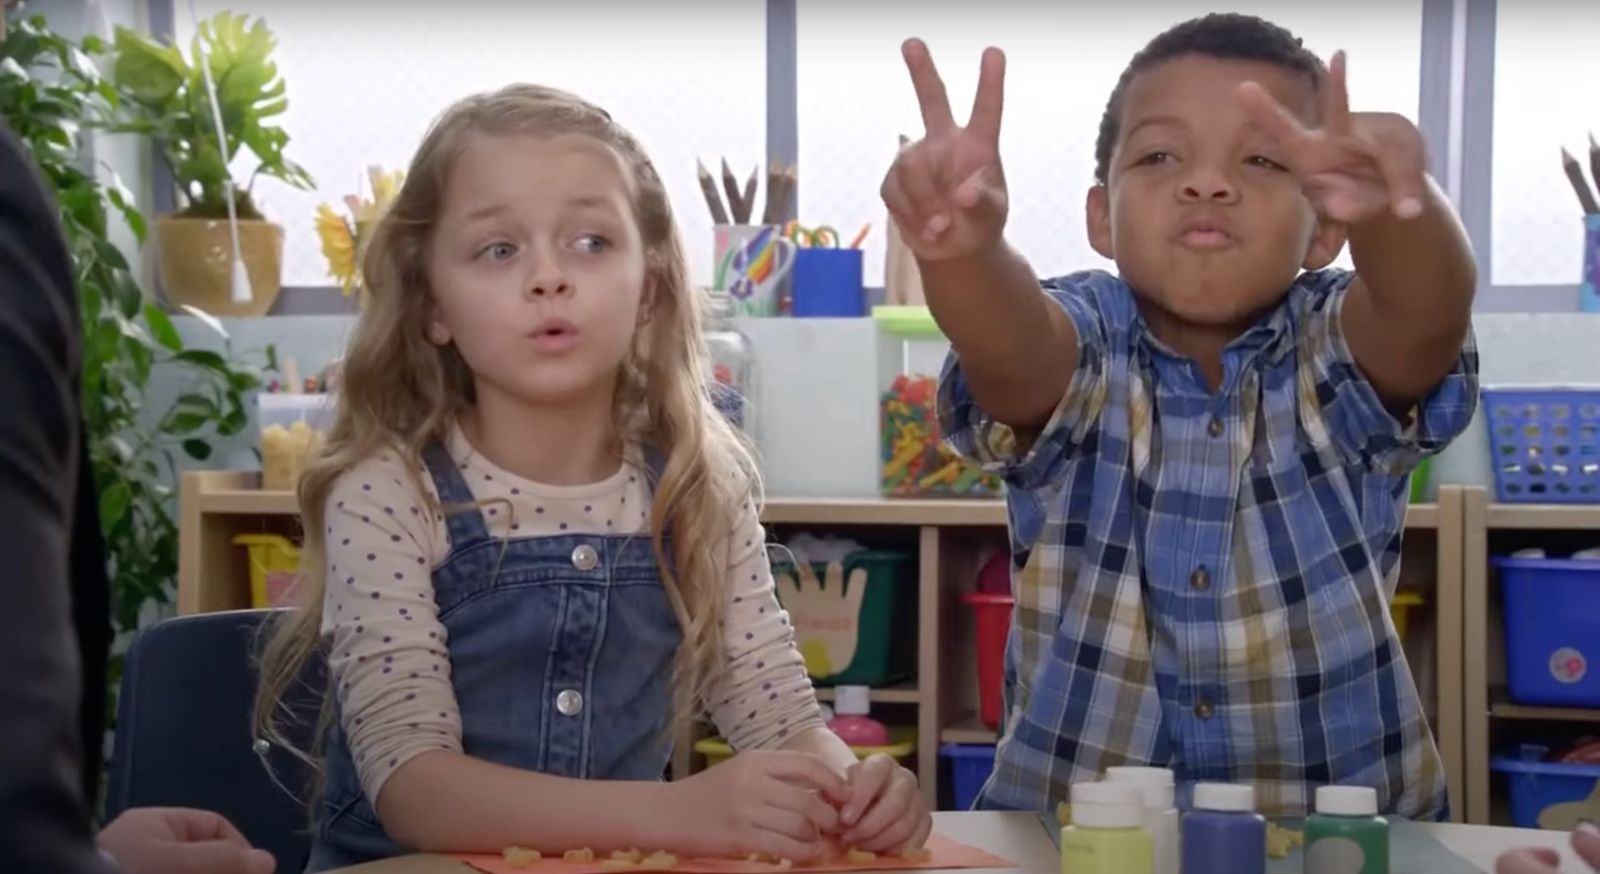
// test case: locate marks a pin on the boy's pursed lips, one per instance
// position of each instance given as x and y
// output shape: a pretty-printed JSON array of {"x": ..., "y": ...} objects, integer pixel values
[{"x": 1207, "y": 231}]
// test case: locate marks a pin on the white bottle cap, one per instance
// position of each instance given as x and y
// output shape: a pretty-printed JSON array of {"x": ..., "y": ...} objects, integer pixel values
[
  {"x": 1225, "y": 797},
  {"x": 1347, "y": 800},
  {"x": 1157, "y": 784},
  {"x": 1107, "y": 805},
  {"x": 852, "y": 700}
]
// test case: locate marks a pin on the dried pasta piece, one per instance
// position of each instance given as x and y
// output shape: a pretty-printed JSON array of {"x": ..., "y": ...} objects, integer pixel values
[
  {"x": 785, "y": 863},
  {"x": 660, "y": 860},
  {"x": 520, "y": 857},
  {"x": 626, "y": 855},
  {"x": 917, "y": 854},
  {"x": 1064, "y": 814},
  {"x": 1281, "y": 840},
  {"x": 619, "y": 864},
  {"x": 858, "y": 857},
  {"x": 580, "y": 855}
]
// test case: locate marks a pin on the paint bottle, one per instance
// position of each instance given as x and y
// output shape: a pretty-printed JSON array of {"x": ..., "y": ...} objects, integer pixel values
[
  {"x": 1107, "y": 835},
  {"x": 1346, "y": 835},
  {"x": 851, "y": 721},
  {"x": 1222, "y": 833},
  {"x": 1160, "y": 810}
]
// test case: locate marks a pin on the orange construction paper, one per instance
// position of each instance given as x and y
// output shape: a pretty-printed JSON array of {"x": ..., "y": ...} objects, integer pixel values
[{"x": 946, "y": 854}]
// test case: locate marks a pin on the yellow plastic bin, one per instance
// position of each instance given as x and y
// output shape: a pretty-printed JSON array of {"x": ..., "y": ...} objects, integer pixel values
[
  {"x": 1400, "y": 607},
  {"x": 274, "y": 569},
  {"x": 902, "y": 746}
]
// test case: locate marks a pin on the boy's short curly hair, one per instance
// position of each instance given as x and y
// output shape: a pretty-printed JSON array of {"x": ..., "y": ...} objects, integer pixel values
[{"x": 1219, "y": 35}]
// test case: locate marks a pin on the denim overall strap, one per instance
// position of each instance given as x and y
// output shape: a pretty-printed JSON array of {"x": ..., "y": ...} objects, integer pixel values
[{"x": 463, "y": 516}]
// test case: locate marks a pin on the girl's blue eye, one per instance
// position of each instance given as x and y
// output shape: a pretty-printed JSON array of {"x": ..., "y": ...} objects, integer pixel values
[
  {"x": 498, "y": 251},
  {"x": 593, "y": 244}
]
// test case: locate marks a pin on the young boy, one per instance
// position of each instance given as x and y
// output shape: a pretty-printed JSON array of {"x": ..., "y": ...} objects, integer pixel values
[{"x": 1207, "y": 454}]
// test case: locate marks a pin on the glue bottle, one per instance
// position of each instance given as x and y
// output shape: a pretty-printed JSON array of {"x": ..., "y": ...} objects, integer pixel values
[
  {"x": 1222, "y": 833},
  {"x": 1346, "y": 833},
  {"x": 1107, "y": 834},
  {"x": 1160, "y": 810}
]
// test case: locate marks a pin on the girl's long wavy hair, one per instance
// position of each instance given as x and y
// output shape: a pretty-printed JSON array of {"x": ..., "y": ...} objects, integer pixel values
[{"x": 399, "y": 392}]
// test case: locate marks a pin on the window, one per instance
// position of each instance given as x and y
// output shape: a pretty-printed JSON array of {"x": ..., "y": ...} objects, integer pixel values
[
  {"x": 364, "y": 81},
  {"x": 855, "y": 97},
  {"x": 1544, "y": 99}
]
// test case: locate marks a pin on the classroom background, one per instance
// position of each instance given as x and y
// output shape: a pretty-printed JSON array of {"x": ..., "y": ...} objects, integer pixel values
[{"x": 772, "y": 122}]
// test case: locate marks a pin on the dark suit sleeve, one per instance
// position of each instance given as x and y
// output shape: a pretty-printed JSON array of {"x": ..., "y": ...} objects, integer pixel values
[{"x": 44, "y": 820}]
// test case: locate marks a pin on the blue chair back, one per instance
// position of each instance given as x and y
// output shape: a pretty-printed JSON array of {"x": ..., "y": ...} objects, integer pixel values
[{"x": 184, "y": 738}]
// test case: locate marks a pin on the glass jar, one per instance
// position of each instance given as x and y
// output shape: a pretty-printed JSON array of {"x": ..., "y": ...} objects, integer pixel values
[
  {"x": 914, "y": 461},
  {"x": 732, "y": 362}
]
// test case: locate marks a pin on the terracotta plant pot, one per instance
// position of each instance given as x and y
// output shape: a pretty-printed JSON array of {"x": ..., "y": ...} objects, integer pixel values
[{"x": 196, "y": 263}]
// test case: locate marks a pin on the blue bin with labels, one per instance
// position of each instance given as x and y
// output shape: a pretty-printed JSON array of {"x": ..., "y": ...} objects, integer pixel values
[
  {"x": 970, "y": 767},
  {"x": 1552, "y": 623}
]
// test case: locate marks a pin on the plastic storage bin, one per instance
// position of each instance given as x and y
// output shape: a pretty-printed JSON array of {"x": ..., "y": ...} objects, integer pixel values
[
  {"x": 913, "y": 459},
  {"x": 732, "y": 362},
  {"x": 991, "y": 614},
  {"x": 1419, "y": 480},
  {"x": 902, "y": 746},
  {"x": 292, "y": 426},
  {"x": 1549, "y": 795},
  {"x": 274, "y": 569},
  {"x": 878, "y": 638},
  {"x": 1400, "y": 607},
  {"x": 1552, "y": 618},
  {"x": 970, "y": 766},
  {"x": 1544, "y": 444}
]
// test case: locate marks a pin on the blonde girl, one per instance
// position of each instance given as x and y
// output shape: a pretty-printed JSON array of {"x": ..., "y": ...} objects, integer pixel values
[{"x": 532, "y": 544}]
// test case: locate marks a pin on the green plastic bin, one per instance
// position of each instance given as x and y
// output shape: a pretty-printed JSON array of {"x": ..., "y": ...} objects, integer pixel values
[
  {"x": 1419, "y": 480},
  {"x": 886, "y": 628}
]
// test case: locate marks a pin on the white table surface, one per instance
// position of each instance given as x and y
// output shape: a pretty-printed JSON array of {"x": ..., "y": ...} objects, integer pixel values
[{"x": 1021, "y": 838}]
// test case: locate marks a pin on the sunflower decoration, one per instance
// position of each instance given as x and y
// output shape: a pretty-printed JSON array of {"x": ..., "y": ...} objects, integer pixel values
[{"x": 343, "y": 236}]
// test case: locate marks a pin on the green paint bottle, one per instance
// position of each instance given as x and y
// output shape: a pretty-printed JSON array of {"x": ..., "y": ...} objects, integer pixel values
[{"x": 1346, "y": 835}]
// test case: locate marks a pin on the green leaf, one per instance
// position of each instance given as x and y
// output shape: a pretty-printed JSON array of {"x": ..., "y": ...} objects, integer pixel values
[
  {"x": 147, "y": 70},
  {"x": 184, "y": 423},
  {"x": 113, "y": 505},
  {"x": 203, "y": 358},
  {"x": 199, "y": 450},
  {"x": 197, "y": 403},
  {"x": 161, "y": 328}
]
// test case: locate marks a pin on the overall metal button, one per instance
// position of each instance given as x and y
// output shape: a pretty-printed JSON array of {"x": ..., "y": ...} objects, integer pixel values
[
  {"x": 1203, "y": 709},
  {"x": 584, "y": 558},
  {"x": 1200, "y": 580},
  {"x": 1214, "y": 427},
  {"x": 569, "y": 702}
]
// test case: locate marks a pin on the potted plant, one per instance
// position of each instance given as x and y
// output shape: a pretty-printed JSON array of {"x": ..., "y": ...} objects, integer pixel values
[{"x": 164, "y": 96}]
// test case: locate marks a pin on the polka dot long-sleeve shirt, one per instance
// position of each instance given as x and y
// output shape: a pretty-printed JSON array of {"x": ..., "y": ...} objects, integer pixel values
[{"x": 388, "y": 652}]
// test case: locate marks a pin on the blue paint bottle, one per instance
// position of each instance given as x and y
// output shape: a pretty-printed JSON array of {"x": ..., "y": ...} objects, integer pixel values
[{"x": 1222, "y": 833}]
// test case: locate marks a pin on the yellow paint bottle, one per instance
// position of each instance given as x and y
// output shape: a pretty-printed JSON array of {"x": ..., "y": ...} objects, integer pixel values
[{"x": 1106, "y": 835}]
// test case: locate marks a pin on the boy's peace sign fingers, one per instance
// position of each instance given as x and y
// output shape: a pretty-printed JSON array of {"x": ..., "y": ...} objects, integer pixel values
[
  {"x": 1336, "y": 98},
  {"x": 990, "y": 99},
  {"x": 1274, "y": 118},
  {"x": 931, "y": 96}
]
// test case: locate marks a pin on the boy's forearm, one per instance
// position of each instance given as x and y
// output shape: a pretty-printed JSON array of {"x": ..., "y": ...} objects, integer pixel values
[
  {"x": 1419, "y": 277},
  {"x": 449, "y": 802},
  {"x": 1017, "y": 348}
]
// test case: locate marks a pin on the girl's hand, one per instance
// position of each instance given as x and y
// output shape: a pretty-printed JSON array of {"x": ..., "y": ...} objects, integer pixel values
[
  {"x": 1585, "y": 842},
  {"x": 776, "y": 803},
  {"x": 947, "y": 192},
  {"x": 1356, "y": 166},
  {"x": 885, "y": 812}
]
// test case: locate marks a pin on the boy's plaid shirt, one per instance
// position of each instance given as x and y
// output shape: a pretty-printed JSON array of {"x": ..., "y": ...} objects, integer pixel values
[{"x": 1202, "y": 579}]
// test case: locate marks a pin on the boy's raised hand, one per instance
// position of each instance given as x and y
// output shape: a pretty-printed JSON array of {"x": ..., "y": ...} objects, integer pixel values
[
  {"x": 1355, "y": 166},
  {"x": 947, "y": 191}
]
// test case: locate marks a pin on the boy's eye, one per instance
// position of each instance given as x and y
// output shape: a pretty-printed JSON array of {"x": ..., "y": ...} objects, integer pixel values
[
  {"x": 593, "y": 244},
  {"x": 1263, "y": 161},
  {"x": 1155, "y": 157},
  {"x": 497, "y": 251}
]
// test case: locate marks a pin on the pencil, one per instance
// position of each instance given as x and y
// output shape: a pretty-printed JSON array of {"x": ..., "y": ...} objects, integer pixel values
[
  {"x": 1594, "y": 160},
  {"x": 708, "y": 187},
  {"x": 774, "y": 182},
  {"x": 749, "y": 198},
  {"x": 791, "y": 181},
  {"x": 741, "y": 216},
  {"x": 861, "y": 236},
  {"x": 1579, "y": 185}
]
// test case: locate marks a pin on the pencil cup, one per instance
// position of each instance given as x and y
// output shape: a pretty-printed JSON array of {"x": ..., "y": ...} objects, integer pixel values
[
  {"x": 827, "y": 284},
  {"x": 753, "y": 265},
  {"x": 1589, "y": 284}
]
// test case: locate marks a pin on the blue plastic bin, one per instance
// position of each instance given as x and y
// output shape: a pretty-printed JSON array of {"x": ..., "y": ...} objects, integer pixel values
[
  {"x": 1544, "y": 444},
  {"x": 970, "y": 766},
  {"x": 1552, "y": 615},
  {"x": 1538, "y": 786}
]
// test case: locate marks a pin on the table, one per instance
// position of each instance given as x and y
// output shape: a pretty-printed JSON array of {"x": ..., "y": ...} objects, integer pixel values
[{"x": 1019, "y": 837}]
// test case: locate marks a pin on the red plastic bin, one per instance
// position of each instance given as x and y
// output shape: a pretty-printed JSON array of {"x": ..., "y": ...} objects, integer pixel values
[{"x": 992, "y": 613}]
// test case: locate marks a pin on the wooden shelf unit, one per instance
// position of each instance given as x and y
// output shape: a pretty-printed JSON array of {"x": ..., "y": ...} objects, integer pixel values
[
  {"x": 1486, "y": 706},
  {"x": 952, "y": 537}
]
